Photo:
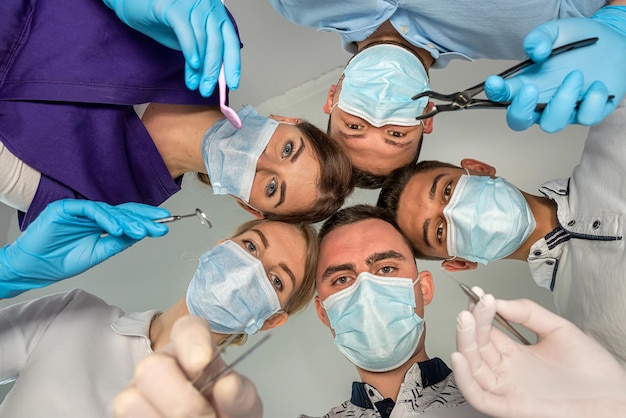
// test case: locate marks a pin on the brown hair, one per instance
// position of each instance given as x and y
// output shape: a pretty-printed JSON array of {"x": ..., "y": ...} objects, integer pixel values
[
  {"x": 356, "y": 214},
  {"x": 335, "y": 182}
]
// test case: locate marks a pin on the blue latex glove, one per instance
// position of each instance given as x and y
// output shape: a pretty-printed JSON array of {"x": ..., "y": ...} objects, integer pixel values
[
  {"x": 601, "y": 73},
  {"x": 201, "y": 29},
  {"x": 65, "y": 240}
]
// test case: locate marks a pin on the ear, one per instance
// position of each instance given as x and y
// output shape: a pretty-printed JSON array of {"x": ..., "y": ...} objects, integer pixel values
[
  {"x": 458, "y": 264},
  {"x": 427, "y": 286},
  {"x": 428, "y": 123},
  {"x": 321, "y": 312},
  {"x": 478, "y": 167},
  {"x": 279, "y": 118},
  {"x": 329, "y": 99},
  {"x": 247, "y": 208},
  {"x": 276, "y": 320}
]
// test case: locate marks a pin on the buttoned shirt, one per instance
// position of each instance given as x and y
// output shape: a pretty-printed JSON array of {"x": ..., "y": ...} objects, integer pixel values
[
  {"x": 584, "y": 260},
  {"x": 70, "y": 354},
  {"x": 448, "y": 29},
  {"x": 428, "y": 390}
]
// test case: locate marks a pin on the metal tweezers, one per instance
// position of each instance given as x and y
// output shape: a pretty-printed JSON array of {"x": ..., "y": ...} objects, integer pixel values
[
  {"x": 205, "y": 379},
  {"x": 465, "y": 99},
  {"x": 505, "y": 324}
]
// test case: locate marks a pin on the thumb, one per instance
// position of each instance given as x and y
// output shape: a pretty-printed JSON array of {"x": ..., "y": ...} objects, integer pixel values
[
  {"x": 108, "y": 246},
  {"x": 236, "y": 397},
  {"x": 539, "y": 42},
  {"x": 521, "y": 113}
]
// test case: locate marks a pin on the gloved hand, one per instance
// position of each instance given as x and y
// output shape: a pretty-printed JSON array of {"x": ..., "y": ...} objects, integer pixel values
[
  {"x": 566, "y": 373},
  {"x": 602, "y": 65},
  {"x": 201, "y": 29},
  {"x": 65, "y": 240},
  {"x": 161, "y": 386}
]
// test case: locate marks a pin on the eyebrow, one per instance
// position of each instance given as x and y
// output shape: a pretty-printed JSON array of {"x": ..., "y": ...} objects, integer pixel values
[
  {"x": 433, "y": 188},
  {"x": 425, "y": 233},
  {"x": 262, "y": 237},
  {"x": 336, "y": 268},
  {"x": 351, "y": 136},
  {"x": 385, "y": 255},
  {"x": 289, "y": 273},
  {"x": 283, "y": 185}
]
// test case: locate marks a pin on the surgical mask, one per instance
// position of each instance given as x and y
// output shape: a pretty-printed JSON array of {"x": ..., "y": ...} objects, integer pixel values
[
  {"x": 230, "y": 154},
  {"x": 378, "y": 84},
  {"x": 374, "y": 321},
  {"x": 487, "y": 219},
  {"x": 231, "y": 291}
]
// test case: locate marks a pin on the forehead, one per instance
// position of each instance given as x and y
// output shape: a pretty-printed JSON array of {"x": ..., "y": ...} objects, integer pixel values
[{"x": 355, "y": 242}]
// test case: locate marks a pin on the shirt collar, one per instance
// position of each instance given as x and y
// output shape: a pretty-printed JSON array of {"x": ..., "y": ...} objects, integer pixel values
[{"x": 136, "y": 324}]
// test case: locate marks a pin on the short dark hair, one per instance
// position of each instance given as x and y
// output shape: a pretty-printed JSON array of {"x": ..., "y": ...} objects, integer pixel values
[{"x": 356, "y": 214}]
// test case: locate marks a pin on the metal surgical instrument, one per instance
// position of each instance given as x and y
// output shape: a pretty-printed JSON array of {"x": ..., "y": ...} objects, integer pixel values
[
  {"x": 465, "y": 99},
  {"x": 198, "y": 213},
  {"x": 205, "y": 379},
  {"x": 505, "y": 324}
]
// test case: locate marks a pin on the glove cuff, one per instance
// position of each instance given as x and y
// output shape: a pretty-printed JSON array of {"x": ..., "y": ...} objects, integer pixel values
[
  {"x": 9, "y": 278},
  {"x": 612, "y": 16}
]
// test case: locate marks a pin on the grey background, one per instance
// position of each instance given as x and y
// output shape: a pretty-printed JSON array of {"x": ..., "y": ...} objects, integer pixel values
[{"x": 287, "y": 70}]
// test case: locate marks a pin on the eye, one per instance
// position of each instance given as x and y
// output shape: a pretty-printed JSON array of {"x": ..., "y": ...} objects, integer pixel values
[
  {"x": 439, "y": 232},
  {"x": 354, "y": 126},
  {"x": 341, "y": 281},
  {"x": 276, "y": 282},
  {"x": 447, "y": 192},
  {"x": 386, "y": 270},
  {"x": 397, "y": 134},
  {"x": 287, "y": 149},
  {"x": 271, "y": 188},
  {"x": 250, "y": 246}
]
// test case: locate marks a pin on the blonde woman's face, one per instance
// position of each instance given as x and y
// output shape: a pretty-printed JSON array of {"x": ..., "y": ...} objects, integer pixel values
[
  {"x": 282, "y": 249},
  {"x": 287, "y": 174}
]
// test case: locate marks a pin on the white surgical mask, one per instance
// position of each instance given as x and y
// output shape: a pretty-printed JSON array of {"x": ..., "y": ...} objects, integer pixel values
[
  {"x": 230, "y": 154},
  {"x": 488, "y": 219},
  {"x": 378, "y": 84},
  {"x": 374, "y": 321},
  {"x": 231, "y": 290}
]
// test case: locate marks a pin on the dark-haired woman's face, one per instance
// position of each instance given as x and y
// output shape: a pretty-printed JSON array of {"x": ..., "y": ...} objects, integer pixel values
[{"x": 287, "y": 173}]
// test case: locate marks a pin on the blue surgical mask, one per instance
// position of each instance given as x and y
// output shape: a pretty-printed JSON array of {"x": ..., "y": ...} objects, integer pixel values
[
  {"x": 378, "y": 84},
  {"x": 374, "y": 321},
  {"x": 488, "y": 219},
  {"x": 231, "y": 290},
  {"x": 230, "y": 154}
]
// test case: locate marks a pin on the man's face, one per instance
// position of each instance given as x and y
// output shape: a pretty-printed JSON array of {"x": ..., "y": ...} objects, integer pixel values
[
  {"x": 371, "y": 245},
  {"x": 420, "y": 208},
  {"x": 376, "y": 150}
]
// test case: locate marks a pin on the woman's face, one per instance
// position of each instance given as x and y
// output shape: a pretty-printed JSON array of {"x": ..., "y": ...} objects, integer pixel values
[
  {"x": 282, "y": 249},
  {"x": 287, "y": 174}
]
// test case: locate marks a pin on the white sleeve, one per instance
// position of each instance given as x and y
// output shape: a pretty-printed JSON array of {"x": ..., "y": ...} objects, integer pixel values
[{"x": 18, "y": 181}]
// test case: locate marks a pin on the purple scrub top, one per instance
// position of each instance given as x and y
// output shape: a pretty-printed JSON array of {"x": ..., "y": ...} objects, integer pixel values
[{"x": 70, "y": 72}]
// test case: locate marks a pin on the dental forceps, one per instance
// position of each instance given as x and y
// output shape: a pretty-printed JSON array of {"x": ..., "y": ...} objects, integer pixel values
[
  {"x": 503, "y": 322},
  {"x": 206, "y": 379},
  {"x": 465, "y": 99},
  {"x": 204, "y": 220}
]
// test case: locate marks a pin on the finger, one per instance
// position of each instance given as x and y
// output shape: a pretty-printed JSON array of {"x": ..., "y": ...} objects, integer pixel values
[
  {"x": 478, "y": 291},
  {"x": 521, "y": 113},
  {"x": 129, "y": 404},
  {"x": 146, "y": 211},
  {"x": 179, "y": 22},
  {"x": 235, "y": 396},
  {"x": 531, "y": 315},
  {"x": 214, "y": 51},
  {"x": 497, "y": 89},
  {"x": 480, "y": 398},
  {"x": 232, "y": 55},
  {"x": 483, "y": 315},
  {"x": 539, "y": 42},
  {"x": 595, "y": 105},
  {"x": 160, "y": 380},
  {"x": 98, "y": 212},
  {"x": 192, "y": 343},
  {"x": 562, "y": 106},
  {"x": 467, "y": 345}
]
